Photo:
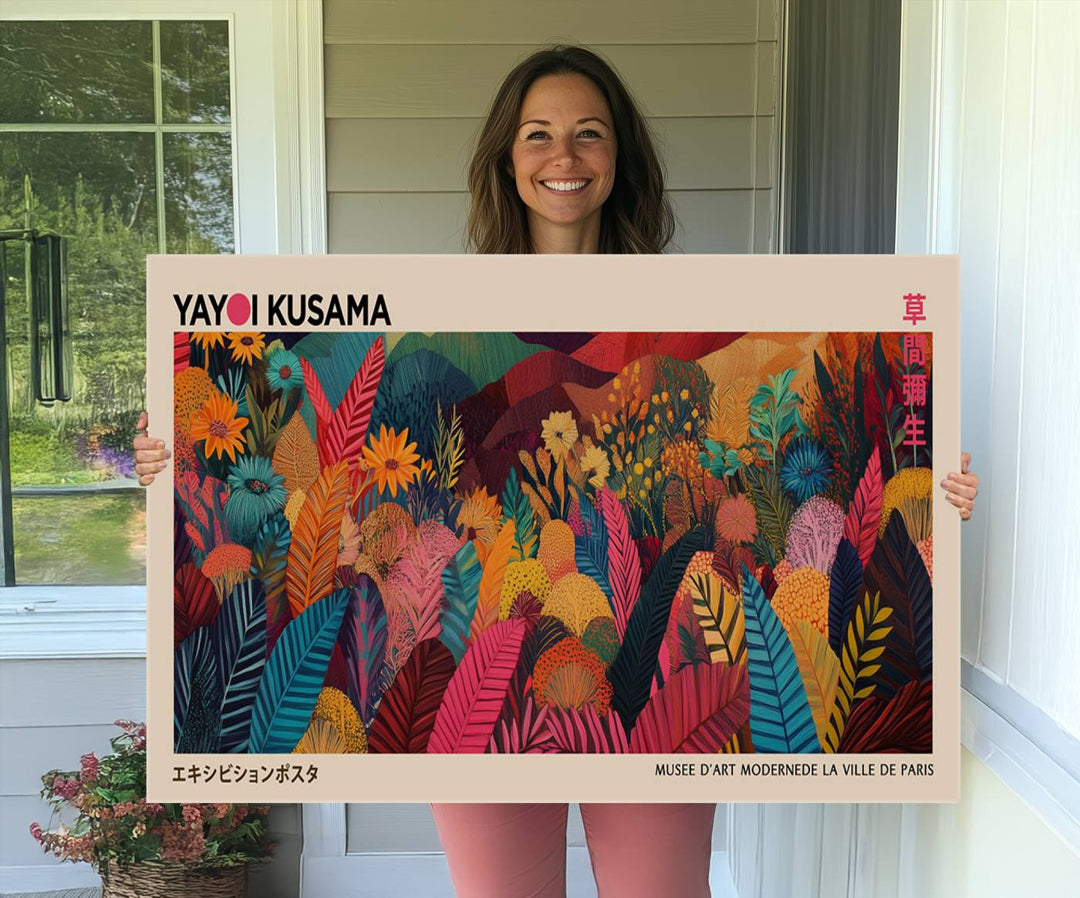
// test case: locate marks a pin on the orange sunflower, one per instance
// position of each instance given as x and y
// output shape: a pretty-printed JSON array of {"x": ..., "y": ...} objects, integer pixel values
[
  {"x": 393, "y": 462},
  {"x": 246, "y": 346},
  {"x": 217, "y": 423},
  {"x": 479, "y": 516},
  {"x": 207, "y": 339}
]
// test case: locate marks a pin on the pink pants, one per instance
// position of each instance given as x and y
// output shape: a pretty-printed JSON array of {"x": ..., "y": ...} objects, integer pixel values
[{"x": 519, "y": 850}]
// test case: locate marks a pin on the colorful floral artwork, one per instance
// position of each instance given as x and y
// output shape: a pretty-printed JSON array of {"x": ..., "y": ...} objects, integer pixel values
[{"x": 551, "y": 543}]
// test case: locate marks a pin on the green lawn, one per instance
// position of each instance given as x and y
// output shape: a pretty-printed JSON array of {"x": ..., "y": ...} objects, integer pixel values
[{"x": 81, "y": 539}]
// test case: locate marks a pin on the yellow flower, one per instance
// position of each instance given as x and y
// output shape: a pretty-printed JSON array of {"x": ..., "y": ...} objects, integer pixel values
[
  {"x": 595, "y": 465},
  {"x": 246, "y": 346},
  {"x": 680, "y": 459},
  {"x": 684, "y": 393},
  {"x": 393, "y": 462},
  {"x": 217, "y": 423},
  {"x": 664, "y": 396},
  {"x": 560, "y": 433},
  {"x": 479, "y": 516},
  {"x": 207, "y": 339}
]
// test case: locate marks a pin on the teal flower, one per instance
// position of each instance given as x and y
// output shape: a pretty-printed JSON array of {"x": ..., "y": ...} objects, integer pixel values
[
  {"x": 257, "y": 492},
  {"x": 806, "y": 469},
  {"x": 718, "y": 460},
  {"x": 283, "y": 371}
]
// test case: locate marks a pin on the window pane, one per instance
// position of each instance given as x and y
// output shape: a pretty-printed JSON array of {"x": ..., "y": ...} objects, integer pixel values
[
  {"x": 76, "y": 72},
  {"x": 81, "y": 540},
  {"x": 195, "y": 71},
  {"x": 198, "y": 193},
  {"x": 98, "y": 190}
]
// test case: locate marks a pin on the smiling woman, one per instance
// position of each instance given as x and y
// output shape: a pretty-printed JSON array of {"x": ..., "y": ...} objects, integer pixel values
[
  {"x": 565, "y": 163},
  {"x": 563, "y": 160}
]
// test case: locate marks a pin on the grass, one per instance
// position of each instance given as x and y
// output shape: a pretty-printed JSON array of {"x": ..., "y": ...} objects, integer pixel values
[{"x": 81, "y": 540}]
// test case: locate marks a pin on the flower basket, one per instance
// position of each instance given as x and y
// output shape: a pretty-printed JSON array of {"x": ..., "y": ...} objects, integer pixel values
[
  {"x": 143, "y": 849},
  {"x": 173, "y": 880}
]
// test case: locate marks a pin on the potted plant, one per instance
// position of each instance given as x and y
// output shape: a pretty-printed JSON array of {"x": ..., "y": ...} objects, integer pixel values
[{"x": 142, "y": 848}]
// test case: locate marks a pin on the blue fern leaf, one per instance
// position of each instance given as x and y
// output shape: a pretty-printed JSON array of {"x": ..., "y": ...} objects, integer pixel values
[
  {"x": 461, "y": 584},
  {"x": 780, "y": 718},
  {"x": 239, "y": 645},
  {"x": 590, "y": 550},
  {"x": 294, "y": 675}
]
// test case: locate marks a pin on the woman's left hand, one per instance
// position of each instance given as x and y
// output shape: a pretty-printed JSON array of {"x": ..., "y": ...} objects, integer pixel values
[{"x": 961, "y": 489}]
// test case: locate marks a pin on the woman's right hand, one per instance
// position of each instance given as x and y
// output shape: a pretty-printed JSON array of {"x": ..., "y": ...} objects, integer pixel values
[{"x": 150, "y": 454}]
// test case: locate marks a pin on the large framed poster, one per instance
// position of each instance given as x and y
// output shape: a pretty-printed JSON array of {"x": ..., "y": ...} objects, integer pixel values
[{"x": 553, "y": 528}]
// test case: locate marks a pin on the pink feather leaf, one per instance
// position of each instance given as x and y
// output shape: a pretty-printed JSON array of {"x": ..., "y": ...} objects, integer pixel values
[{"x": 475, "y": 695}]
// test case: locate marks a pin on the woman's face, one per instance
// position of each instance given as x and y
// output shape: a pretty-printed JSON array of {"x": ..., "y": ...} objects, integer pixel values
[{"x": 563, "y": 155}]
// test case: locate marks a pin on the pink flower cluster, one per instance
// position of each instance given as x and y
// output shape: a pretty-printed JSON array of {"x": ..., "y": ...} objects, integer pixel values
[
  {"x": 182, "y": 841},
  {"x": 137, "y": 732},
  {"x": 64, "y": 845},
  {"x": 65, "y": 788},
  {"x": 114, "y": 831},
  {"x": 140, "y": 808},
  {"x": 89, "y": 767}
]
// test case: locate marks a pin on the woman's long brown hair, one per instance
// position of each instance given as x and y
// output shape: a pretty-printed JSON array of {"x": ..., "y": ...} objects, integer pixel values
[{"x": 637, "y": 216}]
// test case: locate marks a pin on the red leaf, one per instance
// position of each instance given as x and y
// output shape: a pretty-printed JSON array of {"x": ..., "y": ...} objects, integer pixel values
[
  {"x": 406, "y": 714},
  {"x": 195, "y": 603},
  {"x": 624, "y": 563},
  {"x": 649, "y": 548},
  {"x": 475, "y": 696},
  {"x": 349, "y": 424},
  {"x": 698, "y": 710},
  {"x": 902, "y": 724},
  {"x": 181, "y": 352},
  {"x": 323, "y": 414},
  {"x": 864, "y": 512},
  {"x": 585, "y": 732}
]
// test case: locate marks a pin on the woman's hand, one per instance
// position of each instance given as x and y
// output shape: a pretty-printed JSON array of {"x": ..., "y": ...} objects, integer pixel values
[
  {"x": 961, "y": 489},
  {"x": 150, "y": 454}
]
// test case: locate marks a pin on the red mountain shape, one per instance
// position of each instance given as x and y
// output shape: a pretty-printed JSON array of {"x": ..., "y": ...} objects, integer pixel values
[
  {"x": 531, "y": 375},
  {"x": 613, "y": 351}
]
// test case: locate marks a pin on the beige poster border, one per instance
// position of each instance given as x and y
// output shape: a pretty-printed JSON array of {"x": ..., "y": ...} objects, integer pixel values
[{"x": 574, "y": 293}]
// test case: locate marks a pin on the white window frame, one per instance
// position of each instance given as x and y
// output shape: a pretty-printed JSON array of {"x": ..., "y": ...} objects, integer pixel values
[
  {"x": 1009, "y": 733},
  {"x": 279, "y": 189}
]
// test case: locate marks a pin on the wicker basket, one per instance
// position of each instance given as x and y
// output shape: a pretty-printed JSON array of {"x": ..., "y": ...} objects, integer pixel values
[{"x": 173, "y": 880}]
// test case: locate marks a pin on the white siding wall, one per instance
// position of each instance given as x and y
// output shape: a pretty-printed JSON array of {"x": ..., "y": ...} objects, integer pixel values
[
  {"x": 53, "y": 711},
  {"x": 1010, "y": 161},
  {"x": 408, "y": 83}
]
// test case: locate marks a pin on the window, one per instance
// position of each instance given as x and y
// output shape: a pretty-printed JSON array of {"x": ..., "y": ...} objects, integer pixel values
[{"x": 117, "y": 135}]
